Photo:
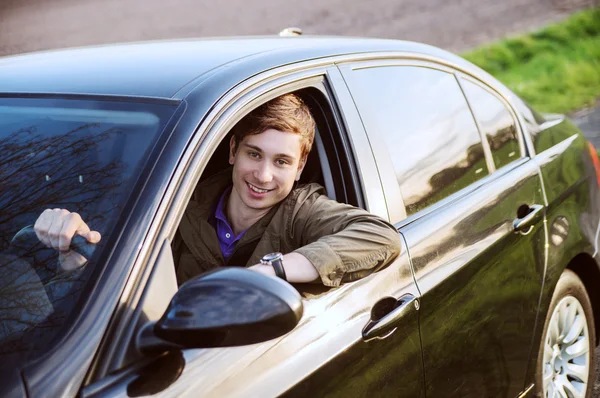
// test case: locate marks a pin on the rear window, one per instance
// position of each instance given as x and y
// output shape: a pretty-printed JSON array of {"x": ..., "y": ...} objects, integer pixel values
[
  {"x": 496, "y": 123},
  {"x": 430, "y": 133},
  {"x": 84, "y": 156}
]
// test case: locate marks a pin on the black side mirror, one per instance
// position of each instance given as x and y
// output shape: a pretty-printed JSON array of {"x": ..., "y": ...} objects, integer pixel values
[{"x": 229, "y": 307}]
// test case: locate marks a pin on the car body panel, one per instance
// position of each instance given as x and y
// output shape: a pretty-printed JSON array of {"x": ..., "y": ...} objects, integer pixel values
[
  {"x": 573, "y": 212},
  {"x": 314, "y": 359},
  {"x": 480, "y": 282},
  {"x": 460, "y": 248},
  {"x": 311, "y": 356}
]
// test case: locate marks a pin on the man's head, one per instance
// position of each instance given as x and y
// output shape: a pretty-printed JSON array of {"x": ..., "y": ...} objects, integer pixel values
[
  {"x": 268, "y": 151},
  {"x": 285, "y": 113}
]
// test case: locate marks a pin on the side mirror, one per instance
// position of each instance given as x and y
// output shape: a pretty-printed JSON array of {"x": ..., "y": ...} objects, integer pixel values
[{"x": 224, "y": 308}]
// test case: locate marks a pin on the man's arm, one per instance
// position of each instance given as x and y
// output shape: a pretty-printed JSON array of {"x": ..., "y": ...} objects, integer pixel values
[
  {"x": 298, "y": 269},
  {"x": 342, "y": 242}
]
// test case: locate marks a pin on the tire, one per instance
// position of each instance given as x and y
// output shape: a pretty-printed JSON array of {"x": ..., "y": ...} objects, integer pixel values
[{"x": 562, "y": 357}]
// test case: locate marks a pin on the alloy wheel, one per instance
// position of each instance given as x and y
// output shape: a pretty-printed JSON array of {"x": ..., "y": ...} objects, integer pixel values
[{"x": 566, "y": 351}]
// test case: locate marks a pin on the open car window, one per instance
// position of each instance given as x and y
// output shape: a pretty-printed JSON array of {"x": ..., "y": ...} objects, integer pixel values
[{"x": 326, "y": 165}]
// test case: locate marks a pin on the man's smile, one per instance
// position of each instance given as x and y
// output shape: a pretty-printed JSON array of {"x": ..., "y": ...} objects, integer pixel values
[{"x": 257, "y": 189}]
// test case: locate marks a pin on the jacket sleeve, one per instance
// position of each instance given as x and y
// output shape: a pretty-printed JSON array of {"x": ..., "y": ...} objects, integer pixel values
[{"x": 343, "y": 242}]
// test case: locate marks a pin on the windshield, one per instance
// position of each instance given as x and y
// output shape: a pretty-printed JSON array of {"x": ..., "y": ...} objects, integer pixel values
[{"x": 83, "y": 156}]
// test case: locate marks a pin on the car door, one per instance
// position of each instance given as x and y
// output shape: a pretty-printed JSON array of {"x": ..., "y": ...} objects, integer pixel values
[
  {"x": 475, "y": 227},
  {"x": 360, "y": 339}
]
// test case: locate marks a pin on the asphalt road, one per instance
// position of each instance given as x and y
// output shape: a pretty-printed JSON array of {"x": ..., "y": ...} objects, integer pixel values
[{"x": 33, "y": 25}]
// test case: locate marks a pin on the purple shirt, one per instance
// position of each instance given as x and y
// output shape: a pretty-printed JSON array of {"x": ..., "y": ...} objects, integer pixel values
[{"x": 227, "y": 240}]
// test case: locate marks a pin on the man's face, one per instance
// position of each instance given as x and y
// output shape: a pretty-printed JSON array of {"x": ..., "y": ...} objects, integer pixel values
[{"x": 265, "y": 167}]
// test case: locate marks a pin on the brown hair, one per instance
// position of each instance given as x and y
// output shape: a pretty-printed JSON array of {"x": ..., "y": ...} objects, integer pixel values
[{"x": 285, "y": 113}]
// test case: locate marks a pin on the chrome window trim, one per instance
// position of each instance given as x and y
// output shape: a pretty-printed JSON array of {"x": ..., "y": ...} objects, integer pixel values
[
  {"x": 459, "y": 73},
  {"x": 522, "y": 126},
  {"x": 373, "y": 188},
  {"x": 487, "y": 150}
]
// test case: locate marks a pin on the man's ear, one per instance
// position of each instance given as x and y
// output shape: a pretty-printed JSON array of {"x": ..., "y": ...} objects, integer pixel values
[
  {"x": 301, "y": 167},
  {"x": 232, "y": 150}
]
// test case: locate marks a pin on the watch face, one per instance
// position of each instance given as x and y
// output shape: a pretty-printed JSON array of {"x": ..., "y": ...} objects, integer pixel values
[{"x": 272, "y": 257}]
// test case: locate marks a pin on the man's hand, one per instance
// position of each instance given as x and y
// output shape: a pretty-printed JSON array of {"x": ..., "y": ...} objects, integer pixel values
[{"x": 55, "y": 228}]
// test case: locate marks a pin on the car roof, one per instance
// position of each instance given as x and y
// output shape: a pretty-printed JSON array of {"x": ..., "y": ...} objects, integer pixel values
[{"x": 164, "y": 68}]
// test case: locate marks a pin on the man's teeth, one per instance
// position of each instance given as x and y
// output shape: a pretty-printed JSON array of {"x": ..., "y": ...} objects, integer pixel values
[{"x": 252, "y": 187}]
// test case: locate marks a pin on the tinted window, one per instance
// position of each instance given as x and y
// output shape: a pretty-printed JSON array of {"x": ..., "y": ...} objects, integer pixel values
[
  {"x": 84, "y": 156},
  {"x": 496, "y": 122},
  {"x": 427, "y": 126}
]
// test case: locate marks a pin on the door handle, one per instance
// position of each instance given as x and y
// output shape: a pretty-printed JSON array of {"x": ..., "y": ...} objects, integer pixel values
[
  {"x": 527, "y": 221},
  {"x": 386, "y": 314}
]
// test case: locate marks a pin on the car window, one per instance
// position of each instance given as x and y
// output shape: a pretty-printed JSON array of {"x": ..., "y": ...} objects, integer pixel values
[
  {"x": 322, "y": 166},
  {"x": 427, "y": 126},
  {"x": 84, "y": 156},
  {"x": 496, "y": 123}
]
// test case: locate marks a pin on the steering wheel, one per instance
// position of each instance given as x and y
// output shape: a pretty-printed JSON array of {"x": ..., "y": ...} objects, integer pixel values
[{"x": 26, "y": 239}]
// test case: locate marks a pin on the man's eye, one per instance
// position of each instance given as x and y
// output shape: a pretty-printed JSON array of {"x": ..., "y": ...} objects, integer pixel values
[
  {"x": 282, "y": 162},
  {"x": 254, "y": 154}
]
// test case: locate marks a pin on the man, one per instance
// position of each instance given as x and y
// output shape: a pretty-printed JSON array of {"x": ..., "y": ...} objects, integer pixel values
[{"x": 255, "y": 209}]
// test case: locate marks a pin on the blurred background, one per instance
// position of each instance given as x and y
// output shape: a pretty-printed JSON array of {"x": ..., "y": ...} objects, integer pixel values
[{"x": 457, "y": 25}]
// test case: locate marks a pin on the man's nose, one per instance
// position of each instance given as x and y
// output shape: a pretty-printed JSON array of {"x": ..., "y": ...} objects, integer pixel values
[{"x": 263, "y": 173}]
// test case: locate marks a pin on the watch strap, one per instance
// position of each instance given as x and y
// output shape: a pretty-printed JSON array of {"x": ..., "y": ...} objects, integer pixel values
[{"x": 277, "y": 265}]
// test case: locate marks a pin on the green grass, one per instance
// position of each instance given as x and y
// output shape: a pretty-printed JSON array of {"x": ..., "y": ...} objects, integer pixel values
[{"x": 556, "y": 69}]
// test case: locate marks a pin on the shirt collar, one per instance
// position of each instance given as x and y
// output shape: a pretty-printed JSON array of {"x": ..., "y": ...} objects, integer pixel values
[{"x": 219, "y": 213}]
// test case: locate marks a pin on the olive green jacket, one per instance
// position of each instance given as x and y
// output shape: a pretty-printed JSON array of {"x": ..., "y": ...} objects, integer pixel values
[{"x": 343, "y": 242}]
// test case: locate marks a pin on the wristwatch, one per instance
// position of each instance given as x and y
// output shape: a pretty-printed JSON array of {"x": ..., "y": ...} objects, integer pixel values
[{"x": 275, "y": 260}]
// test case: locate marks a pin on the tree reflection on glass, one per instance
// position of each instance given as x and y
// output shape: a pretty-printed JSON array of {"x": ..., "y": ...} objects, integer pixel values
[
  {"x": 61, "y": 170},
  {"x": 75, "y": 170},
  {"x": 468, "y": 169}
]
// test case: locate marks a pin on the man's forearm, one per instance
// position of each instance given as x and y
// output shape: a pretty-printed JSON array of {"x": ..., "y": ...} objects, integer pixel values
[{"x": 298, "y": 269}]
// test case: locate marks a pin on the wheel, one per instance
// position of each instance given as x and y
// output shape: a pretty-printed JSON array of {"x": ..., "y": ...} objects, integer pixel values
[{"x": 566, "y": 359}]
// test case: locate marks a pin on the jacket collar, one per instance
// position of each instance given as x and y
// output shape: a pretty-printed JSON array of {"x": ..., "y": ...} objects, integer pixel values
[{"x": 196, "y": 228}]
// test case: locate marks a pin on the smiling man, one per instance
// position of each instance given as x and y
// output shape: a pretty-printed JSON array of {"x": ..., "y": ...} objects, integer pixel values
[{"x": 254, "y": 214}]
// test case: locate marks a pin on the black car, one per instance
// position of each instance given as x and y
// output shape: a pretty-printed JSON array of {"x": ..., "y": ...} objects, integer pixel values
[{"x": 495, "y": 292}]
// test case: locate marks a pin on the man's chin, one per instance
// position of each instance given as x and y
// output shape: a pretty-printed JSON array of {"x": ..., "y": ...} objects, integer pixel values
[{"x": 258, "y": 204}]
